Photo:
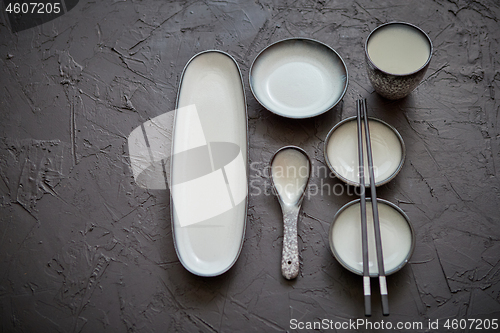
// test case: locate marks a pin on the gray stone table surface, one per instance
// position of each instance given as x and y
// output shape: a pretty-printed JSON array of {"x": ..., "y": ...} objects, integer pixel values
[{"x": 84, "y": 249}]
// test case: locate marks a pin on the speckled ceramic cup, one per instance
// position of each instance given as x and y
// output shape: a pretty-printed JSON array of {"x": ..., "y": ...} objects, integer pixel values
[{"x": 397, "y": 56}]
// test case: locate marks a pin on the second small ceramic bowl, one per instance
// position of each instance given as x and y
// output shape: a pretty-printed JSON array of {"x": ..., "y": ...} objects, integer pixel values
[
  {"x": 398, "y": 237},
  {"x": 298, "y": 78}
]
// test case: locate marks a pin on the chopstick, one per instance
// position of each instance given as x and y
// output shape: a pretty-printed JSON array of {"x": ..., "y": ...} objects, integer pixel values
[
  {"x": 364, "y": 228},
  {"x": 376, "y": 225}
]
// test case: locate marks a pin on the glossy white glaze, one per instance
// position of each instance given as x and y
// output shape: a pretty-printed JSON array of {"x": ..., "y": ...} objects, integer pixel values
[
  {"x": 395, "y": 232},
  {"x": 298, "y": 78},
  {"x": 290, "y": 172},
  {"x": 209, "y": 209},
  {"x": 342, "y": 151}
]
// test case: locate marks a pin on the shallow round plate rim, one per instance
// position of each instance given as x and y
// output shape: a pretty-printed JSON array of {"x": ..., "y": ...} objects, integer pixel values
[
  {"x": 390, "y": 204},
  {"x": 350, "y": 182},
  {"x": 288, "y": 40}
]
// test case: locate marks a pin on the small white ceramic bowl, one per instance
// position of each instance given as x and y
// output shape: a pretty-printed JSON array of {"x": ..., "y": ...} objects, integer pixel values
[
  {"x": 341, "y": 151},
  {"x": 398, "y": 237},
  {"x": 298, "y": 78}
]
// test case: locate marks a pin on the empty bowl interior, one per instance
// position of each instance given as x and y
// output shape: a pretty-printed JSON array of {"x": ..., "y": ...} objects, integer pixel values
[
  {"x": 395, "y": 229},
  {"x": 341, "y": 151},
  {"x": 298, "y": 78}
]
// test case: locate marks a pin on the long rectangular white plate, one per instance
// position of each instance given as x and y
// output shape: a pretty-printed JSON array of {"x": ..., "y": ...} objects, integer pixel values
[{"x": 209, "y": 164}]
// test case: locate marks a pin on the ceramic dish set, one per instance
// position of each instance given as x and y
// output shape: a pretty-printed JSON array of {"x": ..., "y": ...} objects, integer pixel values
[{"x": 294, "y": 78}]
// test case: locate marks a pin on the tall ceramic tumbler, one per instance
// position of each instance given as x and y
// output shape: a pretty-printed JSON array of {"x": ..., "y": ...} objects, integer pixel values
[{"x": 397, "y": 56}]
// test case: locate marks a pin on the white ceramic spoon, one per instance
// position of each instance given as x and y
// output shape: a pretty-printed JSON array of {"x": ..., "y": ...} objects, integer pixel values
[{"x": 291, "y": 169}]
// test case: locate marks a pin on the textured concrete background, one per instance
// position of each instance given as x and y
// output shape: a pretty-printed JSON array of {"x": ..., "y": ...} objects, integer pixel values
[{"x": 84, "y": 249}]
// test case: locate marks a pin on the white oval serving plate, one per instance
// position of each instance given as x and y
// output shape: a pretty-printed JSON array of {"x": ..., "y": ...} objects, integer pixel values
[
  {"x": 341, "y": 151},
  {"x": 398, "y": 239},
  {"x": 209, "y": 164},
  {"x": 298, "y": 78}
]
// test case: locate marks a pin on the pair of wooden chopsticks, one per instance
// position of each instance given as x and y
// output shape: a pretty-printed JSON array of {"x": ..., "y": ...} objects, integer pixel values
[{"x": 361, "y": 114}]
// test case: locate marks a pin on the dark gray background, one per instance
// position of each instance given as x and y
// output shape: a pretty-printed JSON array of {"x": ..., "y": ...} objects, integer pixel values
[{"x": 83, "y": 249}]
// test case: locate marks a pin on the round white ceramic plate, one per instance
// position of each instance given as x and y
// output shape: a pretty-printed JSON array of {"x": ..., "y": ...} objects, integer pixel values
[
  {"x": 341, "y": 151},
  {"x": 298, "y": 78},
  {"x": 396, "y": 232}
]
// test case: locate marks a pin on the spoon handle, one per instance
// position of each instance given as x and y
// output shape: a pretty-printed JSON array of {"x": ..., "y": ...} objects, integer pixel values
[{"x": 290, "y": 256}]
